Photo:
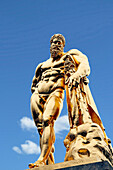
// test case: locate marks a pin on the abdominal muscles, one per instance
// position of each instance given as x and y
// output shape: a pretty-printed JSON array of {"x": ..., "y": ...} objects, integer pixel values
[{"x": 49, "y": 86}]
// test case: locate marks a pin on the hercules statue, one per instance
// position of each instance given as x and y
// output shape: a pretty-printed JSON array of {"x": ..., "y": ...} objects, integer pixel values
[{"x": 62, "y": 71}]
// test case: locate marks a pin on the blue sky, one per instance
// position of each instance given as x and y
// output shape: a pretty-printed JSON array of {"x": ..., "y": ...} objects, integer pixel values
[{"x": 25, "y": 30}]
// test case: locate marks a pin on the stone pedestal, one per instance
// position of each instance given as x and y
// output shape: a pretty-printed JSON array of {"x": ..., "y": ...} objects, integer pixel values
[
  {"x": 94, "y": 163},
  {"x": 87, "y": 141}
]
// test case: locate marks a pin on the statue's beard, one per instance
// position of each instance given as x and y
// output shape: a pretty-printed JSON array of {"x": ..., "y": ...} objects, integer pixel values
[{"x": 55, "y": 51}]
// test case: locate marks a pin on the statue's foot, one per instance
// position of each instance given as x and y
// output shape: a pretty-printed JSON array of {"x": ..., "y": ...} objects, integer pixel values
[{"x": 36, "y": 164}]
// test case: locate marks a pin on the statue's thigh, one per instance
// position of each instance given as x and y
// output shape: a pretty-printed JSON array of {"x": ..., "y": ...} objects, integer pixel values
[
  {"x": 35, "y": 99},
  {"x": 52, "y": 108},
  {"x": 36, "y": 106}
]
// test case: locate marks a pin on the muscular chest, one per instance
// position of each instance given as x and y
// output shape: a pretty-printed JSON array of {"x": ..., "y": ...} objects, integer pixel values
[{"x": 50, "y": 68}]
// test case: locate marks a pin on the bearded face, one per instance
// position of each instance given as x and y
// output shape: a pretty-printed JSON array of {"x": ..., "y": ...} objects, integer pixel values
[{"x": 56, "y": 47}]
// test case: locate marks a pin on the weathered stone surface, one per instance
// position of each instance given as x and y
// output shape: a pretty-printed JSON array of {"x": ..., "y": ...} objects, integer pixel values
[
  {"x": 87, "y": 141},
  {"x": 93, "y": 163}
]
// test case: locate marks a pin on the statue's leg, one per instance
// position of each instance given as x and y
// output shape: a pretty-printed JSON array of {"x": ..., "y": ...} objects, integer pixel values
[
  {"x": 37, "y": 114},
  {"x": 37, "y": 106},
  {"x": 37, "y": 111},
  {"x": 50, "y": 159},
  {"x": 52, "y": 110}
]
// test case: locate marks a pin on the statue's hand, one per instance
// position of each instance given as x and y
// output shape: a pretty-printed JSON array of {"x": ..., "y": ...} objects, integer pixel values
[{"x": 74, "y": 80}]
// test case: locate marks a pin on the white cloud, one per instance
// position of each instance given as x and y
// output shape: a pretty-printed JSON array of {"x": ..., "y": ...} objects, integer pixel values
[
  {"x": 27, "y": 123},
  {"x": 28, "y": 147},
  {"x": 17, "y": 149},
  {"x": 61, "y": 124}
]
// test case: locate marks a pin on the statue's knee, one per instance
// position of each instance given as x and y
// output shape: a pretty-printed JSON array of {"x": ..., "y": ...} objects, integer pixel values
[{"x": 46, "y": 122}]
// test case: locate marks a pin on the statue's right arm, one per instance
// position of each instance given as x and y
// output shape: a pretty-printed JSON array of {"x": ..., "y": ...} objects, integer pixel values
[{"x": 36, "y": 78}]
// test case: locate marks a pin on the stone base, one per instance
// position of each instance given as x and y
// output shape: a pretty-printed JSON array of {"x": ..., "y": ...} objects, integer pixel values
[
  {"x": 93, "y": 163},
  {"x": 87, "y": 141}
]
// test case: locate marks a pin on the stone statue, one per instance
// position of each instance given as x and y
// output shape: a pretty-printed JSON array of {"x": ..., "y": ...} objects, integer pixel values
[{"x": 66, "y": 71}]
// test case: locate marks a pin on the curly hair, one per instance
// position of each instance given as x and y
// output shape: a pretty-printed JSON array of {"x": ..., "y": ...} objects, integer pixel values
[{"x": 59, "y": 36}]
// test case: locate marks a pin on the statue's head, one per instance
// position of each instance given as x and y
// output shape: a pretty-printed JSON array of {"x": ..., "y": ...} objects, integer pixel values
[{"x": 57, "y": 42}]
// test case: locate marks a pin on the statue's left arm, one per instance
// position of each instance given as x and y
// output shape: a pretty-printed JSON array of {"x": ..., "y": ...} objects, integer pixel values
[{"x": 83, "y": 68}]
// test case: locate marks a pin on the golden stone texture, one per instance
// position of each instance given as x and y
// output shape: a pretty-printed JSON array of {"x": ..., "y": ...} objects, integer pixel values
[{"x": 67, "y": 71}]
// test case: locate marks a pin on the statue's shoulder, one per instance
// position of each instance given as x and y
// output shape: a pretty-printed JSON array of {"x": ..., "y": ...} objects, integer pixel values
[
  {"x": 38, "y": 69},
  {"x": 78, "y": 55},
  {"x": 39, "y": 66},
  {"x": 74, "y": 52}
]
